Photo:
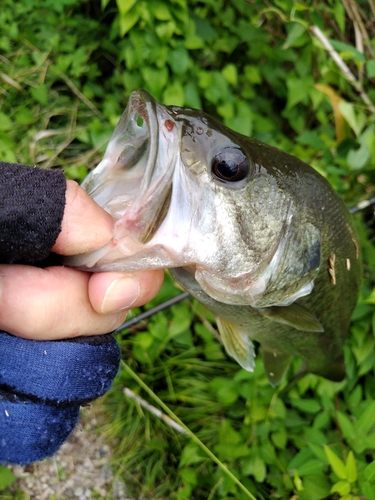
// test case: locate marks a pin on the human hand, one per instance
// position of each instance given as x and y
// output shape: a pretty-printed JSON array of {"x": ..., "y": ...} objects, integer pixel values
[{"x": 59, "y": 302}]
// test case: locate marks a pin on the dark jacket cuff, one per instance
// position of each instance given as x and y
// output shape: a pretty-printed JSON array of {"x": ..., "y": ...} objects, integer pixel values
[{"x": 32, "y": 202}]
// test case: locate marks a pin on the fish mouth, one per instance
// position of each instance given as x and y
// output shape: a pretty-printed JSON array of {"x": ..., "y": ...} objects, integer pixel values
[{"x": 133, "y": 182}]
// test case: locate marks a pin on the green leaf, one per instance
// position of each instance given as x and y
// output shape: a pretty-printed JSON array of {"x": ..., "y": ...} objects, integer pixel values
[
  {"x": 302, "y": 457},
  {"x": 188, "y": 475},
  {"x": 125, "y": 5},
  {"x": 255, "y": 466},
  {"x": 370, "y": 471},
  {"x": 192, "y": 40},
  {"x": 226, "y": 110},
  {"x": 7, "y": 148},
  {"x": 297, "y": 482},
  {"x": 213, "y": 351},
  {"x": 40, "y": 94},
  {"x": 165, "y": 30},
  {"x": 178, "y": 60},
  {"x": 227, "y": 434},
  {"x": 192, "y": 97},
  {"x": 336, "y": 463},
  {"x": 368, "y": 490},
  {"x": 347, "y": 51},
  {"x": 144, "y": 340},
  {"x": 370, "y": 68},
  {"x": 230, "y": 74},
  {"x": 315, "y": 487},
  {"x": 280, "y": 438},
  {"x": 367, "y": 419},
  {"x": 312, "y": 466},
  {"x": 322, "y": 420},
  {"x": 298, "y": 90},
  {"x": 351, "y": 468},
  {"x": 339, "y": 15},
  {"x": 230, "y": 451},
  {"x": 174, "y": 94},
  {"x": 5, "y": 122},
  {"x": 356, "y": 396},
  {"x": 358, "y": 158},
  {"x": 307, "y": 405},
  {"x": 267, "y": 452},
  {"x": 315, "y": 437},
  {"x": 191, "y": 454},
  {"x": 128, "y": 20},
  {"x": 6, "y": 477},
  {"x": 242, "y": 121},
  {"x": 24, "y": 116},
  {"x": 342, "y": 487},
  {"x": 348, "y": 112},
  {"x": 226, "y": 390},
  {"x": 160, "y": 11},
  {"x": 155, "y": 79},
  {"x": 294, "y": 34},
  {"x": 252, "y": 74},
  {"x": 346, "y": 426}
]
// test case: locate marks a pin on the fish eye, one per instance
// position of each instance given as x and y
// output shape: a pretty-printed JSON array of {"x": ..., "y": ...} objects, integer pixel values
[{"x": 230, "y": 165}]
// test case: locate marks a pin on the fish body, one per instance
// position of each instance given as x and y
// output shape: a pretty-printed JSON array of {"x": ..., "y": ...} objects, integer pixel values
[{"x": 256, "y": 235}]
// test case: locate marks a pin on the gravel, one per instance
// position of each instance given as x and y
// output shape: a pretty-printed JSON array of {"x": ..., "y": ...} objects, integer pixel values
[{"x": 79, "y": 470}]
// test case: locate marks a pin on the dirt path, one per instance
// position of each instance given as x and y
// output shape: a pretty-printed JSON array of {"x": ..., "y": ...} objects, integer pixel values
[{"x": 80, "y": 469}]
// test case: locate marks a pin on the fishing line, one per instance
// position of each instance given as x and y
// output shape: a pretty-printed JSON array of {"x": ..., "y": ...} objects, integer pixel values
[
  {"x": 362, "y": 205},
  {"x": 150, "y": 312}
]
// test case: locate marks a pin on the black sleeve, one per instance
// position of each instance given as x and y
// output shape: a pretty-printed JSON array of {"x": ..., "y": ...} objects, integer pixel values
[{"x": 32, "y": 202}]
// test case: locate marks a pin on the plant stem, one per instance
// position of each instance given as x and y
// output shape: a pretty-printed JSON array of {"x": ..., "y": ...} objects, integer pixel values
[
  {"x": 168, "y": 420},
  {"x": 174, "y": 417},
  {"x": 343, "y": 67}
]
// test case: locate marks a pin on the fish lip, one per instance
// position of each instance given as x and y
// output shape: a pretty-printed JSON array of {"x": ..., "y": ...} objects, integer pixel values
[
  {"x": 131, "y": 182},
  {"x": 148, "y": 209},
  {"x": 122, "y": 152},
  {"x": 142, "y": 103}
]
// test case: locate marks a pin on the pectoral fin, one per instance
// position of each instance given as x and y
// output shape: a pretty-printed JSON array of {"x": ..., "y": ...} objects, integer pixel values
[
  {"x": 237, "y": 343},
  {"x": 293, "y": 315},
  {"x": 275, "y": 365}
]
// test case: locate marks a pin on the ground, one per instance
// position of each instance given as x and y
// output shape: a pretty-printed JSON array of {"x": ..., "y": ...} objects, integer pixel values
[{"x": 80, "y": 470}]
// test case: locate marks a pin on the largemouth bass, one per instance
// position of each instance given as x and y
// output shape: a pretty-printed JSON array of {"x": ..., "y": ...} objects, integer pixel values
[{"x": 256, "y": 235}]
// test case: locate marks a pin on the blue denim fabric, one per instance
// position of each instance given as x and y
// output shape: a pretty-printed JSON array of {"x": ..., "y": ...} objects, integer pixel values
[{"x": 43, "y": 384}]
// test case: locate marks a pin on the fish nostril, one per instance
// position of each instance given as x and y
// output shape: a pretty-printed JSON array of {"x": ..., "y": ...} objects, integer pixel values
[{"x": 169, "y": 125}]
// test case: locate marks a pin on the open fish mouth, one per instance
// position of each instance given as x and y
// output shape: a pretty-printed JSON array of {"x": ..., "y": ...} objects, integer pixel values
[{"x": 133, "y": 181}]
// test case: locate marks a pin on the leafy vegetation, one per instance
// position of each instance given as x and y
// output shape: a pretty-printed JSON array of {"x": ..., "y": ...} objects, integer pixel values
[{"x": 67, "y": 68}]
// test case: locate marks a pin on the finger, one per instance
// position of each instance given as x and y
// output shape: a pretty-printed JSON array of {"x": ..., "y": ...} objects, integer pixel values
[
  {"x": 85, "y": 225},
  {"x": 110, "y": 292},
  {"x": 50, "y": 303}
]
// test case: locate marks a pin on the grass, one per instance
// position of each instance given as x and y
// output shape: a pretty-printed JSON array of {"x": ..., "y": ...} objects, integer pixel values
[{"x": 66, "y": 70}]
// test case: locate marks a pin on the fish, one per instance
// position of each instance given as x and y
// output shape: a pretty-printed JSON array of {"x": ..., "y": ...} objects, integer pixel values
[{"x": 256, "y": 235}]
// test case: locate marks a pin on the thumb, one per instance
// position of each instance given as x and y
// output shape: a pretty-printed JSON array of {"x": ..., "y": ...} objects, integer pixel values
[{"x": 85, "y": 225}]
